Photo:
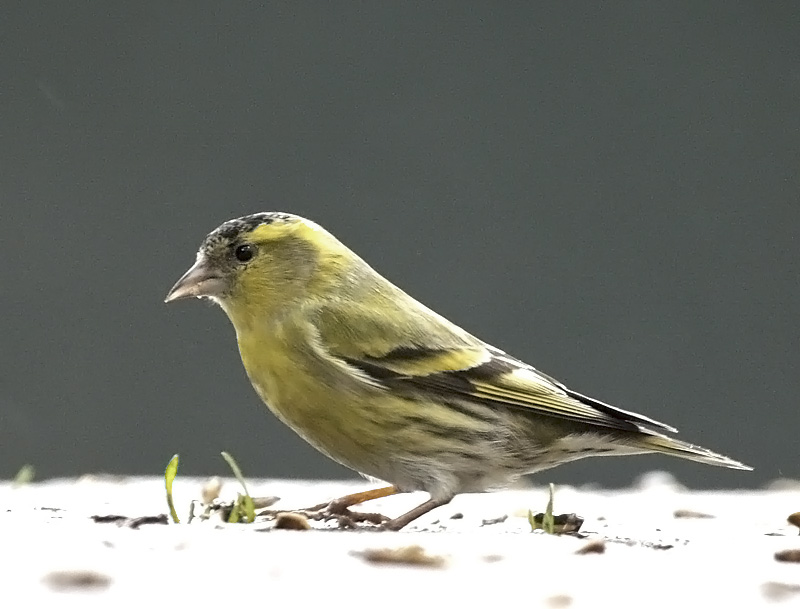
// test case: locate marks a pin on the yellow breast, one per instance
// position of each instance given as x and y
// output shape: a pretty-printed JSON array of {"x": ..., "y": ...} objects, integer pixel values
[{"x": 310, "y": 394}]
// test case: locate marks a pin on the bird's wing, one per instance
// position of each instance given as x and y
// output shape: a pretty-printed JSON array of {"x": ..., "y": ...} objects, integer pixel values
[{"x": 451, "y": 365}]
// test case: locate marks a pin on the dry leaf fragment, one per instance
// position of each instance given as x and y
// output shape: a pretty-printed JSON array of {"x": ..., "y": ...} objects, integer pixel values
[
  {"x": 562, "y": 523},
  {"x": 77, "y": 579},
  {"x": 559, "y": 601},
  {"x": 794, "y": 519},
  {"x": 413, "y": 555},
  {"x": 788, "y": 556},
  {"x": 779, "y": 591},
  {"x": 595, "y": 546},
  {"x": 292, "y": 521},
  {"x": 691, "y": 514},
  {"x": 491, "y": 521}
]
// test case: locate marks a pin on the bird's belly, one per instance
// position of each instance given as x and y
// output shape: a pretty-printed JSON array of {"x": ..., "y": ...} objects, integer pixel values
[
  {"x": 367, "y": 436},
  {"x": 408, "y": 441}
]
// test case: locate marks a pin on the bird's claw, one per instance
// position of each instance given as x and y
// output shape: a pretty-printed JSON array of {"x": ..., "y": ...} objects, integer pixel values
[{"x": 346, "y": 518}]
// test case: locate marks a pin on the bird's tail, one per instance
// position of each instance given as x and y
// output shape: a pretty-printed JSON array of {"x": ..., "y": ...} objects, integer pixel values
[{"x": 669, "y": 446}]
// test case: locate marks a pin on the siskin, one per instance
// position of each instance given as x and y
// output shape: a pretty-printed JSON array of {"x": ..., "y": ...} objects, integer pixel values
[{"x": 384, "y": 385}]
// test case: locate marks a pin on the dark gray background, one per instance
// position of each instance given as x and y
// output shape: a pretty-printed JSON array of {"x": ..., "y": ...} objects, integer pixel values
[{"x": 608, "y": 192}]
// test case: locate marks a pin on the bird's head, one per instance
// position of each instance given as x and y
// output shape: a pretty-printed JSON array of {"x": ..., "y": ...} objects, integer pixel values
[{"x": 261, "y": 262}]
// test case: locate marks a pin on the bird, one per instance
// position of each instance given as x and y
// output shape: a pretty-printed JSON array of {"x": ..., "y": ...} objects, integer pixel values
[{"x": 384, "y": 385}]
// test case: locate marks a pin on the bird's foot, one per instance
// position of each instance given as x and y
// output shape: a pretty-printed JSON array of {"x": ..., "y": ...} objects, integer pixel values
[{"x": 340, "y": 511}]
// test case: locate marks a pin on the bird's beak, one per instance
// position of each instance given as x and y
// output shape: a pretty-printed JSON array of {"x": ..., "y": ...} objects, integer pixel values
[{"x": 199, "y": 281}]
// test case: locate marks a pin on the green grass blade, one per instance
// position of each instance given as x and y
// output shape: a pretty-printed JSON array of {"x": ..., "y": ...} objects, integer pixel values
[
  {"x": 545, "y": 521},
  {"x": 244, "y": 503},
  {"x": 548, "y": 523},
  {"x": 169, "y": 476},
  {"x": 24, "y": 475},
  {"x": 249, "y": 508},
  {"x": 236, "y": 510}
]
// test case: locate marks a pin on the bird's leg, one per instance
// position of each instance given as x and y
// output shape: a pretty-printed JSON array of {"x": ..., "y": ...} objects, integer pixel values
[
  {"x": 340, "y": 508},
  {"x": 401, "y": 521}
]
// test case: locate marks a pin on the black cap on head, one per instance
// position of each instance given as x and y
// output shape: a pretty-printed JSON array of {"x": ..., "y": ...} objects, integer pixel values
[{"x": 229, "y": 231}]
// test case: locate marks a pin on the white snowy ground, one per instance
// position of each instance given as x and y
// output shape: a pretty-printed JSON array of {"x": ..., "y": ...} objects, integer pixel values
[{"x": 54, "y": 553}]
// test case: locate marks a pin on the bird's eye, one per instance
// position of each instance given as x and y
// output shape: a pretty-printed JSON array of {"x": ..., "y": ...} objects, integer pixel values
[{"x": 244, "y": 252}]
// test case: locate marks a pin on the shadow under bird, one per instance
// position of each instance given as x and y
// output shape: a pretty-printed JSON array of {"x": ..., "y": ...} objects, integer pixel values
[{"x": 384, "y": 385}]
